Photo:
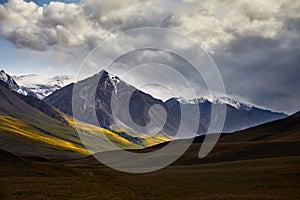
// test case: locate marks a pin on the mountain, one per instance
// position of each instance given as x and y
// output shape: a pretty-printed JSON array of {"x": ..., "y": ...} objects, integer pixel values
[
  {"x": 35, "y": 85},
  {"x": 42, "y": 86},
  {"x": 140, "y": 102},
  {"x": 12, "y": 84},
  {"x": 239, "y": 116},
  {"x": 32, "y": 127},
  {"x": 215, "y": 100},
  {"x": 8, "y": 80}
]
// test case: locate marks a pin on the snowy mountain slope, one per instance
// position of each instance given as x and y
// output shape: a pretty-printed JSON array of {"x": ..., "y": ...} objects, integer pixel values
[
  {"x": 8, "y": 79},
  {"x": 239, "y": 115},
  {"x": 12, "y": 84},
  {"x": 35, "y": 85},
  {"x": 42, "y": 86},
  {"x": 229, "y": 100}
]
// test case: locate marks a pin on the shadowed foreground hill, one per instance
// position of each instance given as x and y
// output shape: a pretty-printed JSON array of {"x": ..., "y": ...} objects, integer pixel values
[
  {"x": 237, "y": 168},
  {"x": 274, "y": 139},
  {"x": 9, "y": 159},
  {"x": 287, "y": 129}
]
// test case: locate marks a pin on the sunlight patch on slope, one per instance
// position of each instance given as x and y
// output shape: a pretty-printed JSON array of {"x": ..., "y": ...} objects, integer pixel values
[
  {"x": 150, "y": 141},
  {"x": 19, "y": 127},
  {"x": 97, "y": 131},
  {"x": 145, "y": 140}
]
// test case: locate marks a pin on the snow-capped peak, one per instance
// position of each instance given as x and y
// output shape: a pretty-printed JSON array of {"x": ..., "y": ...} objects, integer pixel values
[
  {"x": 234, "y": 102},
  {"x": 8, "y": 80},
  {"x": 42, "y": 86},
  {"x": 34, "y": 79}
]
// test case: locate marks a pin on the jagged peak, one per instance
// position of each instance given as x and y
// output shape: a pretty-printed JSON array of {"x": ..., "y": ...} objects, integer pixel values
[
  {"x": 103, "y": 72},
  {"x": 6, "y": 78}
]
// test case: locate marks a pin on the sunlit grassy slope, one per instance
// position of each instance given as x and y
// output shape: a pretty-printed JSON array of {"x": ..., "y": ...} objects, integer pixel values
[
  {"x": 14, "y": 126},
  {"x": 26, "y": 130},
  {"x": 115, "y": 135}
]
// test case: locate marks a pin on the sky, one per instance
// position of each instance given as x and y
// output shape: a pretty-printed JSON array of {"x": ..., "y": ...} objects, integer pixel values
[{"x": 255, "y": 44}]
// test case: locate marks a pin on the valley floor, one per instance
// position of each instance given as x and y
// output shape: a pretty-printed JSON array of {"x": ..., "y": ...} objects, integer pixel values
[{"x": 268, "y": 178}]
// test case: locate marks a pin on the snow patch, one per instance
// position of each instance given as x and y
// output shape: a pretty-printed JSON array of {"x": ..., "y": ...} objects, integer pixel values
[
  {"x": 114, "y": 80},
  {"x": 217, "y": 100},
  {"x": 42, "y": 86}
]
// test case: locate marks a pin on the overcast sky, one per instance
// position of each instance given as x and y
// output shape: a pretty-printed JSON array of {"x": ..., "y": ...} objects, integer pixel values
[{"x": 255, "y": 44}]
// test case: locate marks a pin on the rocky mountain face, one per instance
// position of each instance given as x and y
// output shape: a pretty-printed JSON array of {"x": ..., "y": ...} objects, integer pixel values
[
  {"x": 8, "y": 80},
  {"x": 239, "y": 116},
  {"x": 139, "y": 103}
]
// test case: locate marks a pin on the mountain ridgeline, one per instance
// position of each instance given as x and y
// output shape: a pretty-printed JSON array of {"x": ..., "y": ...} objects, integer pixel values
[{"x": 238, "y": 116}]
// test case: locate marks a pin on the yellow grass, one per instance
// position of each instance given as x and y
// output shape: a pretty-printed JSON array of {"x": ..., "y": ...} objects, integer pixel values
[{"x": 16, "y": 126}]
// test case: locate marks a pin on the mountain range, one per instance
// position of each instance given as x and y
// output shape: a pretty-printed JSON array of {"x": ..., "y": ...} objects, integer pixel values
[
  {"x": 33, "y": 87},
  {"x": 238, "y": 116}
]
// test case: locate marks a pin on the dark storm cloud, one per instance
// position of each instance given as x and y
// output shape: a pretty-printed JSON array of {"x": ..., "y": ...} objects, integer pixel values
[
  {"x": 293, "y": 24},
  {"x": 265, "y": 71}
]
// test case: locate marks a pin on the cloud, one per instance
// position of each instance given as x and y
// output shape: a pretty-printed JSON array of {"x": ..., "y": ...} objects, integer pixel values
[
  {"x": 263, "y": 70},
  {"x": 211, "y": 23},
  {"x": 39, "y": 28},
  {"x": 254, "y": 43},
  {"x": 152, "y": 70},
  {"x": 73, "y": 25}
]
